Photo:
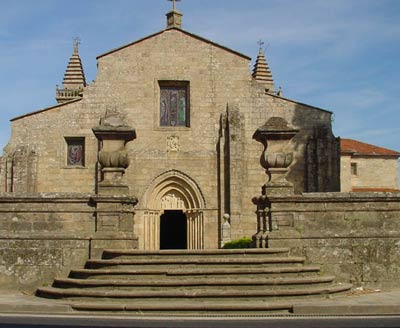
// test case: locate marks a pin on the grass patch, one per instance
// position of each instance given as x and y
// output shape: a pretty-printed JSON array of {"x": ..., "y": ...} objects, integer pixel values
[{"x": 244, "y": 242}]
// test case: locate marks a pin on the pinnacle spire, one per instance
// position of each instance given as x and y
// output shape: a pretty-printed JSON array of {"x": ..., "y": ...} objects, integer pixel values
[
  {"x": 74, "y": 77},
  {"x": 261, "y": 70}
]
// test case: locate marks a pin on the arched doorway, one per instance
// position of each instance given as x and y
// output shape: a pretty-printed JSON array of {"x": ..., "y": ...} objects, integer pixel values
[
  {"x": 173, "y": 197},
  {"x": 173, "y": 230}
]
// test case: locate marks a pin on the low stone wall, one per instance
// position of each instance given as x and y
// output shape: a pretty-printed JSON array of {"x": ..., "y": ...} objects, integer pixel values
[
  {"x": 355, "y": 236},
  {"x": 46, "y": 235}
]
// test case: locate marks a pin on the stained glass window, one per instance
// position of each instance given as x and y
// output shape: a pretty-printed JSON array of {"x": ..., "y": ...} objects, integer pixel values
[
  {"x": 174, "y": 106},
  {"x": 75, "y": 151}
]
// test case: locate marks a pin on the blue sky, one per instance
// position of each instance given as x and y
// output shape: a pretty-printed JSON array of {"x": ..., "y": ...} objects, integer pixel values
[{"x": 341, "y": 55}]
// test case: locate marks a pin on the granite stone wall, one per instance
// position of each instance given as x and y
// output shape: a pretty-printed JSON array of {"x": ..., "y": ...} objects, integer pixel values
[
  {"x": 46, "y": 235},
  {"x": 355, "y": 236}
]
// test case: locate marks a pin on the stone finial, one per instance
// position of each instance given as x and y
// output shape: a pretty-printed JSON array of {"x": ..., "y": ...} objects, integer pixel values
[
  {"x": 275, "y": 135},
  {"x": 262, "y": 72},
  {"x": 174, "y": 17},
  {"x": 113, "y": 135}
]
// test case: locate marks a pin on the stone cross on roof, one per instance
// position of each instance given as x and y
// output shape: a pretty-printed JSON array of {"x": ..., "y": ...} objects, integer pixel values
[
  {"x": 174, "y": 17},
  {"x": 174, "y": 4},
  {"x": 77, "y": 42},
  {"x": 260, "y": 43}
]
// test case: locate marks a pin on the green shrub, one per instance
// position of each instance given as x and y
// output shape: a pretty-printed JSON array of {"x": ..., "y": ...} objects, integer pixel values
[{"x": 244, "y": 242}]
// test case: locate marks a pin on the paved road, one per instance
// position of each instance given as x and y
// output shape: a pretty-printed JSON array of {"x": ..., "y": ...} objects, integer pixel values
[{"x": 14, "y": 321}]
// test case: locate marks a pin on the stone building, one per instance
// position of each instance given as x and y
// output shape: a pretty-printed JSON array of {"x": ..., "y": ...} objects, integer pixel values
[
  {"x": 366, "y": 167},
  {"x": 187, "y": 110},
  {"x": 163, "y": 151}
]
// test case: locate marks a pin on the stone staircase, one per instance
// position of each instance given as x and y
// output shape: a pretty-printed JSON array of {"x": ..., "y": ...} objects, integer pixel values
[{"x": 247, "y": 281}]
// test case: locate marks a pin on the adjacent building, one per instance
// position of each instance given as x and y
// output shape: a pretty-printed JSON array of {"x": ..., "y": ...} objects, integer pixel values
[{"x": 366, "y": 167}]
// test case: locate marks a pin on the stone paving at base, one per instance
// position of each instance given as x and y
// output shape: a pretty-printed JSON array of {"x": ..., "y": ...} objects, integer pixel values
[{"x": 375, "y": 303}]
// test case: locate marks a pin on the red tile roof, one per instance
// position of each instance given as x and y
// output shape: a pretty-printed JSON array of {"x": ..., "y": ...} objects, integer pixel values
[{"x": 355, "y": 147}]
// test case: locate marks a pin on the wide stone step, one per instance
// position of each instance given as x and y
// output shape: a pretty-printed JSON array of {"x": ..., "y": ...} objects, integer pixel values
[
  {"x": 195, "y": 262},
  {"x": 190, "y": 283},
  {"x": 177, "y": 308},
  {"x": 76, "y": 293},
  {"x": 256, "y": 252},
  {"x": 179, "y": 273},
  {"x": 249, "y": 281}
]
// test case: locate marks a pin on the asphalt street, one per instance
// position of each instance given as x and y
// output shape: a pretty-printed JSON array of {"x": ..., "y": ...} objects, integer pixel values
[{"x": 14, "y": 321}]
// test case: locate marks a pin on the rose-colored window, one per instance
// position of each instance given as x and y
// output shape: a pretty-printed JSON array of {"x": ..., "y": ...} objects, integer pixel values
[{"x": 75, "y": 151}]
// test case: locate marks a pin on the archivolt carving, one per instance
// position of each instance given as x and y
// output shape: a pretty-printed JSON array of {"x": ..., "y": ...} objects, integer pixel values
[
  {"x": 172, "y": 201},
  {"x": 173, "y": 190}
]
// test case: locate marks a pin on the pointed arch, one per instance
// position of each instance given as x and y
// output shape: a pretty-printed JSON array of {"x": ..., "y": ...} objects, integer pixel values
[{"x": 174, "y": 189}]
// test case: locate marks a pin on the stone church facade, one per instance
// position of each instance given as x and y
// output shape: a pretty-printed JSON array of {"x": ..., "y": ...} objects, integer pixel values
[
  {"x": 177, "y": 145},
  {"x": 194, "y": 108}
]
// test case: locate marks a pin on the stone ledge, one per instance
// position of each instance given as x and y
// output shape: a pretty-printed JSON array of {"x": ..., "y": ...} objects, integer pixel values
[
  {"x": 70, "y": 197},
  {"x": 337, "y": 197},
  {"x": 72, "y": 236}
]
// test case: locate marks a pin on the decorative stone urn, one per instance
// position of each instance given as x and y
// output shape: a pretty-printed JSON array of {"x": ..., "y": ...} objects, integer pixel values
[
  {"x": 113, "y": 135},
  {"x": 275, "y": 136}
]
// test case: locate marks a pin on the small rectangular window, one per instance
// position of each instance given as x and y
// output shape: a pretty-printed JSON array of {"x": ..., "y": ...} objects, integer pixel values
[
  {"x": 75, "y": 151},
  {"x": 353, "y": 168},
  {"x": 174, "y": 103}
]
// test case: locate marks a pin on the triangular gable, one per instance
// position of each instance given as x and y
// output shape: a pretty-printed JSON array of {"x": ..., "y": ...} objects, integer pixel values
[{"x": 182, "y": 31}]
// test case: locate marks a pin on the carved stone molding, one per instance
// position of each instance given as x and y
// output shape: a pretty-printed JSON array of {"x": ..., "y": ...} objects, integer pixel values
[
  {"x": 172, "y": 202},
  {"x": 172, "y": 144}
]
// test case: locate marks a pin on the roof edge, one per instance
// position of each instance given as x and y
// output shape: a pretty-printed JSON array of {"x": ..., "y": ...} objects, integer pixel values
[
  {"x": 299, "y": 103},
  {"x": 176, "y": 29},
  {"x": 45, "y": 109},
  {"x": 374, "y": 150},
  {"x": 356, "y": 154}
]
